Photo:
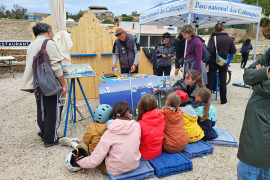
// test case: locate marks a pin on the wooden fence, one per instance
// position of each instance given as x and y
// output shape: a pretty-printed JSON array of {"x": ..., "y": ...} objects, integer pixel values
[{"x": 91, "y": 38}]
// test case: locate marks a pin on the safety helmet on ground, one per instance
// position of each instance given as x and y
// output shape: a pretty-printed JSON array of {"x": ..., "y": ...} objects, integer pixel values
[
  {"x": 73, "y": 157},
  {"x": 102, "y": 113},
  {"x": 183, "y": 95}
]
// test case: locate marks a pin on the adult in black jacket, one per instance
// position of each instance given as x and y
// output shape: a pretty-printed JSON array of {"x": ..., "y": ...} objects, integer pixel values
[
  {"x": 247, "y": 46},
  {"x": 225, "y": 46},
  {"x": 179, "y": 45}
]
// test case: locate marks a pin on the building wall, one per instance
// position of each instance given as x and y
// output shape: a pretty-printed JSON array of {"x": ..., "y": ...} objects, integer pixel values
[
  {"x": 127, "y": 24},
  {"x": 11, "y": 29}
]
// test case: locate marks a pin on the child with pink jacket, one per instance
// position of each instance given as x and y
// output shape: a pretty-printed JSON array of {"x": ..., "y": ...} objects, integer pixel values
[{"x": 119, "y": 145}]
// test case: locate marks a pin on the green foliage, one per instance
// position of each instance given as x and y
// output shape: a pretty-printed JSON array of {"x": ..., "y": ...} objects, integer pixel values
[
  {"x": 18, "y": 12},
  {"x": 236, "y": 58},
  {"x": 265, "y": 21},
  {"x": 124, "y": 15},
  {"x": 134, "y": 13},
  {"x": 107, "y": 21},
  {"x": 75, "y": 17},
  {"x": 210, "y": 30},
  {"x": 201, "y": 31},
  {"x": 241, "y": 41},
  {"x": 265, "y": 4},
  {"x": 128, "y": 18}
]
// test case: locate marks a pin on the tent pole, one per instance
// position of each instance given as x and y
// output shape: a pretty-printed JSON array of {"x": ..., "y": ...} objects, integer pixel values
[
  {"x": 255, "y": 50},
  {"x": 139, "y": 35},
  {"x": 189, "y": 19},
  {"x": 256, "y": 42}
]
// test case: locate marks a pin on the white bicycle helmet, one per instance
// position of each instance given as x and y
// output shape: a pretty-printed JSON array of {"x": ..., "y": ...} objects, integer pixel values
[
  {"x": 73, "y": 156},
  {"x": 102, "y": 113}
]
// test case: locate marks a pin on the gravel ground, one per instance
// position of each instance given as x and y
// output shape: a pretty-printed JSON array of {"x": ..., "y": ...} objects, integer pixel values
[{"x": 22, "y": 155}]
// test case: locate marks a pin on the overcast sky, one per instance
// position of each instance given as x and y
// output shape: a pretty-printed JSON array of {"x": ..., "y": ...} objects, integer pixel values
[{"x": 118, "y": 7}]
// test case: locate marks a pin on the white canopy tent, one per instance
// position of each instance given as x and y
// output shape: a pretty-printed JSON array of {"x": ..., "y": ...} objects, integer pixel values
[
  {"x": 202, "y": 14},
  {"x": 61, "y": 37}
]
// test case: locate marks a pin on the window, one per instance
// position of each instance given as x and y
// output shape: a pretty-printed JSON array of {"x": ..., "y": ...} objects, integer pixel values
[
  {"x": 144, "y": 41},
  {"x": 172, "y": 39},
  {"x": 154, "y": 40}
]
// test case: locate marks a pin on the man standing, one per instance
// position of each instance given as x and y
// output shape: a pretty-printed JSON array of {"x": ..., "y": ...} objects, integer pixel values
[
  {"x": 127, "y": 49},
  {"x": 51, "y": 121}
]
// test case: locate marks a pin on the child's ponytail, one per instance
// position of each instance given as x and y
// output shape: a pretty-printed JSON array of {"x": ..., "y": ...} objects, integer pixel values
[
  {"x": 205, "y": 111},
  {"x": 205, "y": 95},
  {"x": 120, "y": 109}
]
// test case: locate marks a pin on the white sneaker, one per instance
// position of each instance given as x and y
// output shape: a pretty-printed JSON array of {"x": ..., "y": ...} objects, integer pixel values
[{"x": 67, "y": 142}]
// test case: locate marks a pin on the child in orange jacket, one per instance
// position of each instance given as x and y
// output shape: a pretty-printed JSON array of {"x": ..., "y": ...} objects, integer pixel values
[{"x": 175, "y": 137}]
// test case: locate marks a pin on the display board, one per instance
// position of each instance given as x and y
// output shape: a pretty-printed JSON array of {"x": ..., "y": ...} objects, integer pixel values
[
  {"x": 132, "y": 90},
  {"x": 78, "y": 70}
]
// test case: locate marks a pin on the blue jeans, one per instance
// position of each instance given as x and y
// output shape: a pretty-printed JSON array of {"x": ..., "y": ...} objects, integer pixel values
[{"x": 247, "y": 172}]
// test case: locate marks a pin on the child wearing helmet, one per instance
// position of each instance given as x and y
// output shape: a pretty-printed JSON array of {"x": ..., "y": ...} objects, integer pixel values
[
  {"x": 206, "y": 112},
  {"x": 175, "y": 137},
  {"x": 192, "y": 82},
  {"x": 91, "y": 138},
  {"x": 119, "y": 145}
]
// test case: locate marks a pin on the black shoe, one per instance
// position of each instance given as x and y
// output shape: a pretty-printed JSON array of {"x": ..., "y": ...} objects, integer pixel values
[
  {"x": 50, "y": 144},
  {"x": 40, "y": 135}
]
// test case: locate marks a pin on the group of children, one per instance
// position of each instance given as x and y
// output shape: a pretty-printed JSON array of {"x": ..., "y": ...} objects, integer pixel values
[{"x": 170, "y": 129}]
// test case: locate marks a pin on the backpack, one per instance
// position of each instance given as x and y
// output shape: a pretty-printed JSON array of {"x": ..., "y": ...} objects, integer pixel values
[
  {"x": 244, "y": 49},
  {"x": 44, "y": 78},
  {"x": 206, "y": 54}
]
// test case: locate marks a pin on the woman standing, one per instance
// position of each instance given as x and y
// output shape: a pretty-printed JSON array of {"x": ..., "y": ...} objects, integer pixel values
[
  {"x": 179, "y": 45},
  {"x": 194, "y": 52},
  {"x": 225, "y": 46},
  {"x": 164, "y": 52},
  {"x": 245, "y": 49}
]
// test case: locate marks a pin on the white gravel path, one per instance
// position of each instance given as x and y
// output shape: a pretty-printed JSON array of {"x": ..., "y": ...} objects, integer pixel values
[{"x": 22, "y": 155}]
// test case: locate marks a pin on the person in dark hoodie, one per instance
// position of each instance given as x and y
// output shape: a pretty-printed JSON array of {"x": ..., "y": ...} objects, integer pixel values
[
  {"x": 246, "y": 47},
  {"x": 194, "y": 52},
  {"x": 164, "y": 52},
  {"x": 179, "y": 45},
  {"x": 225, "y": 46}
]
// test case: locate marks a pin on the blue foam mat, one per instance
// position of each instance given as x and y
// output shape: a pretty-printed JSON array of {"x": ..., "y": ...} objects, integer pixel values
[
  {"x": 168, "y": 164},
  {"x": 225, "y": 138},
  {"x": 197, "y": 149},
  {"x": 144, "y": 171}
]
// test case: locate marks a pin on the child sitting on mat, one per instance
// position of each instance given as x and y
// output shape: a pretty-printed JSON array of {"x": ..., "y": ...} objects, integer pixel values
[
  {"x": 175, "y": 137},
  {"x": 119, "y": 145},
  {"x": 193, "y": 130},
  {"x": 91, "y": 138},
  {"x": 206, "y": 112},
  {"x": 152, "y": 125},
  {"x": 192, "y": 82}
]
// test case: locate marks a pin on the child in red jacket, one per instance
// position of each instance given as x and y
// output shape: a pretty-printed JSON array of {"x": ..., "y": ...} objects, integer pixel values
[{"x": 152, "y": 127}]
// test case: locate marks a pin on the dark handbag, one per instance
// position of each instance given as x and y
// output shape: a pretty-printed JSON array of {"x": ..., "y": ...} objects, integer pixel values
[
  {"x": 181, "y": 61},
  {"x": 109, "y": 76}
]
